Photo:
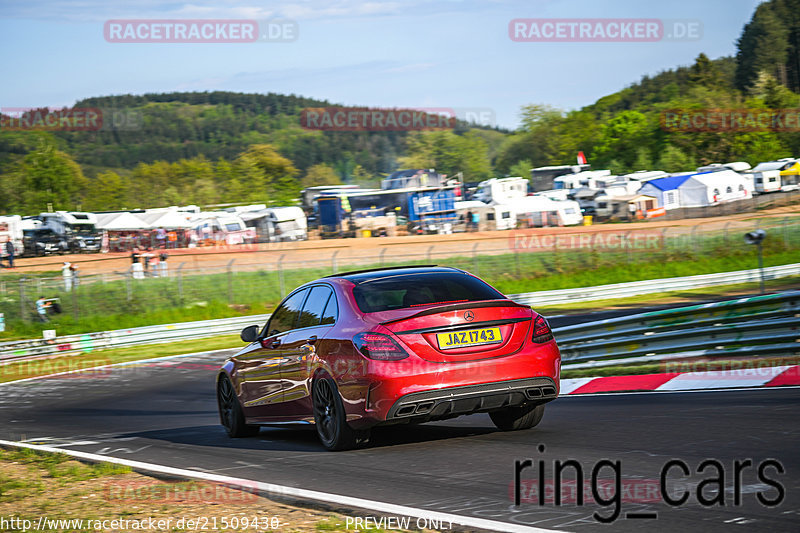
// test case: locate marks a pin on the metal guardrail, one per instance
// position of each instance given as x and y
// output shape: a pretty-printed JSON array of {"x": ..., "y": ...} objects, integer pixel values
[
  {"x": 76, "y": 344},
  {"x": 740, "y": 326},
  {"x": 759, "y": 325},
  {"x": 638, "y": 288}
]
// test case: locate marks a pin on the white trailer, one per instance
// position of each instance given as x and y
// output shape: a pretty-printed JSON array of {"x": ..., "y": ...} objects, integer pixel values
[{"x": 11, "y": 228}]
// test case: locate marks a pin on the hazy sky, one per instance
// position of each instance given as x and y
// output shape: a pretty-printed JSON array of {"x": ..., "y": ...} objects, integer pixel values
[{"x": 415, "y": 53}]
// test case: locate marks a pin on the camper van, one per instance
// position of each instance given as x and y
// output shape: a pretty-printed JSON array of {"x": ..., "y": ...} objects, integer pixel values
[
  {"x": 78, "y": 229},
  {"x": 220, "y": 228},
  {"x": 490, "y": 217},
  {"x": 11, "y": 228},
  {"x": 540, "y": 211},
  {"x": 277, "y": 224},
  {"x": 774, "y": 176}
]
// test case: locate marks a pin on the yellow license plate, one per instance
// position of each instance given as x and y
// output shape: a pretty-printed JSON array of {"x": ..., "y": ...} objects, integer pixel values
[{"x": 469, "y": 337}]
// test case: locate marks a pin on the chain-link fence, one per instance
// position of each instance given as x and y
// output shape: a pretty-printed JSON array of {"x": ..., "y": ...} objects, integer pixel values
[{"x": 527, "y": 260}]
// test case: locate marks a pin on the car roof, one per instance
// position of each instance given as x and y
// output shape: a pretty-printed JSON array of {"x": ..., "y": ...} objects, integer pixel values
[{"x": 364, "y": 276}]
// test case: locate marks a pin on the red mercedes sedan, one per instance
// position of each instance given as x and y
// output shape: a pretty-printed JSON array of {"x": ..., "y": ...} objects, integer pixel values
[{"x": 395, "y": 345}]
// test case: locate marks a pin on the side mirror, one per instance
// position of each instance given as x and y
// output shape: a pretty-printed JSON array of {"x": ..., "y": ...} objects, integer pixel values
[{"x": 249, "y": 334}]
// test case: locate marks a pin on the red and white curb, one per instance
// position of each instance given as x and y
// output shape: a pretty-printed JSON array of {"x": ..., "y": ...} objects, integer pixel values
[{"x": 773, "y": 376}]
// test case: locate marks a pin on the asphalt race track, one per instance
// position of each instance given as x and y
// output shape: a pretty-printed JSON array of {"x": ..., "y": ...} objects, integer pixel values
[{"x": 165, "y": 413}]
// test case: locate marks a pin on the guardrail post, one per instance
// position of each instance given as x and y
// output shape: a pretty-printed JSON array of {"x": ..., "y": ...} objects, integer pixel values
[
  {"x": 334, "y": 266},
  {"x": 475, "y": 259},
  {"x": 383, "y": 252},
  {"x": 230, "y": 280},
  {"x": 281, "y": 282},
  {"x": 22, "y": 308}
]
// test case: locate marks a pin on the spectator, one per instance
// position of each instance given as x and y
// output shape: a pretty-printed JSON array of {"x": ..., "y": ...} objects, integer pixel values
[
  {"x": 75, "y": 280},
  {"x": 172, "y": 237},
  {"x": 161, "y": 238},
  {"x": 162, "y": 264},
  {"x": 10, "y": 253},
  {"x": 66, "y": 272},
  {"x": 41, "y": 309},
  {"x": 136, "y": 267}
]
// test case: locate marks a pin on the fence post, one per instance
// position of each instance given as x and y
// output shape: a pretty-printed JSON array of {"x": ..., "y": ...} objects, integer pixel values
[
  {"x": 280, "y": 276},
  {"x": 74, "y": 293},
  {"x": 180, "y": 283},
  {"x": 333, "y": 262},
  {"x": 785, "y": 226},
  {"x": 22, "y": 307},
  {"x": 725, "y": 234},
  {"x": 475, "y": 259},
  {"x": 428, "y": 254},
  {"x": 383, "y": 252},
  {"x": 128, "y": 290},
  {"x": 628, "y": 246},
  {"x": 694, "y": 239},
  {"x": 230, "y": 280}
]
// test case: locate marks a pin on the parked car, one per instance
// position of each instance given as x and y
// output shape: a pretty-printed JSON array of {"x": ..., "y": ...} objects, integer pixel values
[
  {"x": 42, "y": 241},
  {"x": 388, "y": 346}
]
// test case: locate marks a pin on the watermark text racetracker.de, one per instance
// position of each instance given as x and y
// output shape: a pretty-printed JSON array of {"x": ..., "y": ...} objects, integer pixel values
[
  {"x": 603, "y": 30},
  {"x": 731, "y": 120},
  {"x": 69, "y": 119},
  {"x": 200, "y": 31},
  {"x": 393, "y": 119},
  {"x": 533, "y": 240}
]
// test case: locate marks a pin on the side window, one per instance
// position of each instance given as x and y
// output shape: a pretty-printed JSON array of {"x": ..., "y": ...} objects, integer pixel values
[
  {"x": 315, "y": 305},
  {"x": 285, "y": 316},
  {"x": 331, "y": 312}
]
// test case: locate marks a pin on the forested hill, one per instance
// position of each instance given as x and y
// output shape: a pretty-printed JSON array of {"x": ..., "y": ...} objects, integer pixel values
[{"x": 222, "y": 125}]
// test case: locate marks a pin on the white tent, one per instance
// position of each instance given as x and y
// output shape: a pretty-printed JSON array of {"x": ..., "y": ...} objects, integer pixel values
[
  {"x": 120, "y": 222},
  {"x": 708, "y": 188},
  {"x": 167, "y": 219}
]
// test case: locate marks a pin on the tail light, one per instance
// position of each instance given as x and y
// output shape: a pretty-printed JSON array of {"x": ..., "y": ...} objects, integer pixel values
[
  {"x": 541, "y": 330},
  {"x": 379, "y": 347}
]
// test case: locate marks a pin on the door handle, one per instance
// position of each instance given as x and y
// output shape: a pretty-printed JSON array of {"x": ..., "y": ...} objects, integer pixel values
[{"x": 312, "y": 339}]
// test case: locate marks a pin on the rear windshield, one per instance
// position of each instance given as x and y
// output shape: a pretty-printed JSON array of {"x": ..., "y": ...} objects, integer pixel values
[{"x": 411, "y": 290}]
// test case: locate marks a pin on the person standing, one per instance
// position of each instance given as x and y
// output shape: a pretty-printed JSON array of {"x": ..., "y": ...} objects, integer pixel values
[
  {"x": 75, "y": 280},
  {"x": 66, "y": 273},
  {"x": 41, "y": 309},
  {"x": 136, "y": 267},
  {"x": 10, "y": 253},
  {"x": 162, "y": 264}
]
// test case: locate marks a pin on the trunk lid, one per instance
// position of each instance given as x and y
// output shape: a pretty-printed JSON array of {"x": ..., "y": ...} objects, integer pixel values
[{"x": 465, "y": 331}]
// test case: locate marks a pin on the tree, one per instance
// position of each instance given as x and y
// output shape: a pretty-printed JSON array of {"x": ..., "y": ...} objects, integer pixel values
[
  {"x": 107, "y": 191},
  {"x": 320, "y": 174},
  {"x": 44, "y": 179},
  {"x": 763, "y": 47},
  {"x": 267, "y": 176},
  {"x": 521, "y": 168},
  {"x": 675, "y": 160}
]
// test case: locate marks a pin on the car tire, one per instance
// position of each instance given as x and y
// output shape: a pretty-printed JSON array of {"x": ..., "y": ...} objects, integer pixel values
[
  {"x": 231, "y": 415},
  {"x": 517, "y": 418},
  {"x": 329, "y": 417}
]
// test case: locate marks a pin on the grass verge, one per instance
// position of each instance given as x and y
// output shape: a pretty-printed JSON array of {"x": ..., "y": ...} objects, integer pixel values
[
  {"x": 46, "y": 366},
  {"x": 50, "y": 486}
]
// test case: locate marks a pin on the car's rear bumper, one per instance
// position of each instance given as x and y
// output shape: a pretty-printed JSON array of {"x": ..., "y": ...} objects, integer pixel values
[
  {"x": 455, "y": 401},
  {"x": 418, "y": 390}
]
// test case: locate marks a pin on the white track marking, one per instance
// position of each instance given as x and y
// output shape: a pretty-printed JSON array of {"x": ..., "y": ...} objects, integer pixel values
[{"x": 292, "y": 492}]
